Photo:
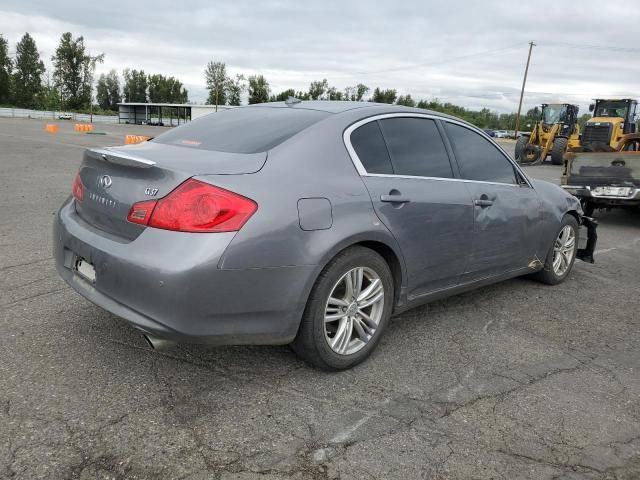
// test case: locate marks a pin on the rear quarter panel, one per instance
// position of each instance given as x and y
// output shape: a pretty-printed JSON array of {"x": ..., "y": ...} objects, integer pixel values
[{"x": 312, "y": 164}]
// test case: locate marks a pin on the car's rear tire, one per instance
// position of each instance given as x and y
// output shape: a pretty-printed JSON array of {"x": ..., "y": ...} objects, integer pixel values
[
  {"x": 562, "y": 253},
  {"x": 558, "y": 149},
  {"x": 347, "y": 311}
]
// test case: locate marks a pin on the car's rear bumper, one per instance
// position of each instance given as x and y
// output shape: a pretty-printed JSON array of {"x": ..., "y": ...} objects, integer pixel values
[{"x": 168, "y": 284}]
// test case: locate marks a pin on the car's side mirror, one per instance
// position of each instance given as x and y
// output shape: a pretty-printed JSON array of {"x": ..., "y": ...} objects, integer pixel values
[{"x": 592, "y": 107}]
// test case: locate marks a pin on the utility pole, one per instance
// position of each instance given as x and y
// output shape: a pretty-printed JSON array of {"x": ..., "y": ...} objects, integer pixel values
[{"x": 524, "y": 82}]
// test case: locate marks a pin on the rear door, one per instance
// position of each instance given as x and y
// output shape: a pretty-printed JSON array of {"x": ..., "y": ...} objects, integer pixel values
[
  {"x": 406, "y": 168},
  {"x": 507, "y": 211}
]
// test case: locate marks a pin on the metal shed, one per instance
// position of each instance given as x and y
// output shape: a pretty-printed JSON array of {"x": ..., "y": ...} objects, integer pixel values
[{"x": 165, "y": 114}]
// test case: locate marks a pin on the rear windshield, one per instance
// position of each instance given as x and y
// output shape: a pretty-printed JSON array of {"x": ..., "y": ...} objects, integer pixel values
[{"x": 242, "y": 130}]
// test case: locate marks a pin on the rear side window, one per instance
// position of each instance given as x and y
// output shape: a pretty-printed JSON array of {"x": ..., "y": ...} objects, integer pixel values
[
  {"x": 369, "y": 145},
  {"x": 416, "y": 147},
  {"x": 242, "y": 130},
  {"x": 478, "y": 158}
]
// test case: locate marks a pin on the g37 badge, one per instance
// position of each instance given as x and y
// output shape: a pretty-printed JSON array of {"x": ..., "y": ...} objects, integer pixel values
[{"x": 150, "y": 192}]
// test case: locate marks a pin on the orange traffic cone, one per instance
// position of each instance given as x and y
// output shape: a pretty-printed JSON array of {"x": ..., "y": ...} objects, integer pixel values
[{"x": 132, "y": 139}]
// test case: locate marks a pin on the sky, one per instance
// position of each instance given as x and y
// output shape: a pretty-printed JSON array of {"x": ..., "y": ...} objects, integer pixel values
[{"x": 471, "y": 53}]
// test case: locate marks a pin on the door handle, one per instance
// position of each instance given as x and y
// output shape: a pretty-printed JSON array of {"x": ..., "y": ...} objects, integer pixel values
[
  {"x": 394, "y": 199},
  {"x": 483, "y": 202}
]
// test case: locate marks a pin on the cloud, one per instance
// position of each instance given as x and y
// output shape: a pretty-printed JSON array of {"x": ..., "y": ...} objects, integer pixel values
[{"x": 466, "y": 52}]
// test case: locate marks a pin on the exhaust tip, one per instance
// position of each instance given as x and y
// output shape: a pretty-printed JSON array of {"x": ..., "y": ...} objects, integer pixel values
[{"x": 158, "y": 343}]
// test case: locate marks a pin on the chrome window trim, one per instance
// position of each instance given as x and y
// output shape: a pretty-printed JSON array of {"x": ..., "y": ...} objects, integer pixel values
[{"x": 346, "y": 137}]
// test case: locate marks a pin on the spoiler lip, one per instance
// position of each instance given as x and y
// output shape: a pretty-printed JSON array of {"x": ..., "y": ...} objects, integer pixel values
[{"x": 121, "y": 158}]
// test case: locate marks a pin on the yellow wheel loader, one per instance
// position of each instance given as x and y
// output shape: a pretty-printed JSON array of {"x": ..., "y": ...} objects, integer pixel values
[
  {"x": 555, "y": 132},
  {"x": 612, "y": 118}
]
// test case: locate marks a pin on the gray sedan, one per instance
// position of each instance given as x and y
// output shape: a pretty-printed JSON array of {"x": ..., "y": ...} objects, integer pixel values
[{"x": 305, "y": 223}]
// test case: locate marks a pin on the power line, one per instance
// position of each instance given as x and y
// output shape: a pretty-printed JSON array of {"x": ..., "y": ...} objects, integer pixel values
[
  {"x": 430, "y": 64},
  {"x": 591, "y": 47}
]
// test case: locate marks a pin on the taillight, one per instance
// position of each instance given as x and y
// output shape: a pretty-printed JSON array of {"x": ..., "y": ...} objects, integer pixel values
[
  {"x": 141, "y": 212},
  {"x": 78, "y": 189},
  {"x": 195, "y": 207}
]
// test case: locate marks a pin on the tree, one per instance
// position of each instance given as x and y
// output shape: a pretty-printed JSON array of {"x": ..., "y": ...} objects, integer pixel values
[
  {"x": 582, "y": 119},
  {"x": 48, "y": 98},
  {"x": 406, "y": 100},
  {"x": 357, "y": 93},
  {"x": 73, "y": 71},
  {"x": 318, "y": 88},
  {"x": 6, "y": 67},
  {"x": 216, "y": 77},
  {"x": 166, "y": 89},
  {"x": 283, "y": 96},
  {"x": 108, "y": 91},
  {"x": 258, "y": 89},
  {"x": 27, "y": 78},
  {"x": 235, "y": 88},
  {"x": 334, "y": 94},
  {"x": 135, "y": 85},
  {"x": 384, "y": 96},
  {"x": 102, "y": 94},
  {"x": 361, "y": 91}
]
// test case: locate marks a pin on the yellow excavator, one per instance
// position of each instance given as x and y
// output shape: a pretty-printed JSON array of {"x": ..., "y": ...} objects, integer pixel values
[
  {"x": 612, "y": 118},
  {"x": 555, "y": 132}
]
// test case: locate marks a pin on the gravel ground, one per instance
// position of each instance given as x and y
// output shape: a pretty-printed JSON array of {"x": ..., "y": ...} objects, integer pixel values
[{"x": 513, "y": 381}]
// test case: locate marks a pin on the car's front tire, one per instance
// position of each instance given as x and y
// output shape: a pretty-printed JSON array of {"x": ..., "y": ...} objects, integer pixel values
[
  {"x": 347, "y": 311},
  {"x": 562, "y": 253}
]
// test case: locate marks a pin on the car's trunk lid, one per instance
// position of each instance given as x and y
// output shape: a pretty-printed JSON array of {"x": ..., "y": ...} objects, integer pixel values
[{"x": 115, "y": 178}]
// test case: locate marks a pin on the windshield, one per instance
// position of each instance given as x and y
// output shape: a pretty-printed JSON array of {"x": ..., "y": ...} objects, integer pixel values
[
  {"x": 611, "y": 108},
  {"x": 552, "y": 114},
  {"x": 242, "y": 130}
]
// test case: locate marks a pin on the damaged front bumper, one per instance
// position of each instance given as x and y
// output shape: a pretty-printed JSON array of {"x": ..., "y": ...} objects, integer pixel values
[{"x": 587, "y": 239}]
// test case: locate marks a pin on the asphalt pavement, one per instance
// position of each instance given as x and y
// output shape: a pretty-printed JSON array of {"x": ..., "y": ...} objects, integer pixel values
[{"x": 514, "y": 381}]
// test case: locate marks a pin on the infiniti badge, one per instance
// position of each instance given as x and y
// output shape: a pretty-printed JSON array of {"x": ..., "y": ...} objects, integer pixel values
[{"x": 105, "y": 181}]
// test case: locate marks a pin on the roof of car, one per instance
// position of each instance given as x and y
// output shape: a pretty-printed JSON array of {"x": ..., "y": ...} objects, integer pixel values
[
  {"x": 322, "y": 105},
  {"x": 339, "y": 106}
]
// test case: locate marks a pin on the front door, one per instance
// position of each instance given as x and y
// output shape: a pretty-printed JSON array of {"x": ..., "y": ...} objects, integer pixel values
[{"x": 506, "y": 209}]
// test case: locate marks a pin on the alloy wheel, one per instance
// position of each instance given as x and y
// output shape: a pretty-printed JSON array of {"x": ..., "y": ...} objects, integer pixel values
[
  {"x": 353, "y": 310},
  {"x": 564, "y": 250}
]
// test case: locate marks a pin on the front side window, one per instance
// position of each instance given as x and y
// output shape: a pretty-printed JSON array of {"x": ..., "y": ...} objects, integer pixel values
[
  {"x": 478, "y": 159},
  {"x": 416, "y": 147}
]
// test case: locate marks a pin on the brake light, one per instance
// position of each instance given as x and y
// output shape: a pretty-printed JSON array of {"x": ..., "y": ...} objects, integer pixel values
[
  {"x": 195, "y": 206},
  {"x": 78, "y": 188}
]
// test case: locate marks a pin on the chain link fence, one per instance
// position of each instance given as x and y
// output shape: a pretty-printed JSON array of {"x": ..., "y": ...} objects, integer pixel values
[{"x": 52, "y": 115}]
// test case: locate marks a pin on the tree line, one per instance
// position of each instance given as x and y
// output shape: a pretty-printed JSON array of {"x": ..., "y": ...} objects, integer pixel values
[
  {"x": 227, "y": 90},
  {"x": 26, "y": 83}
]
